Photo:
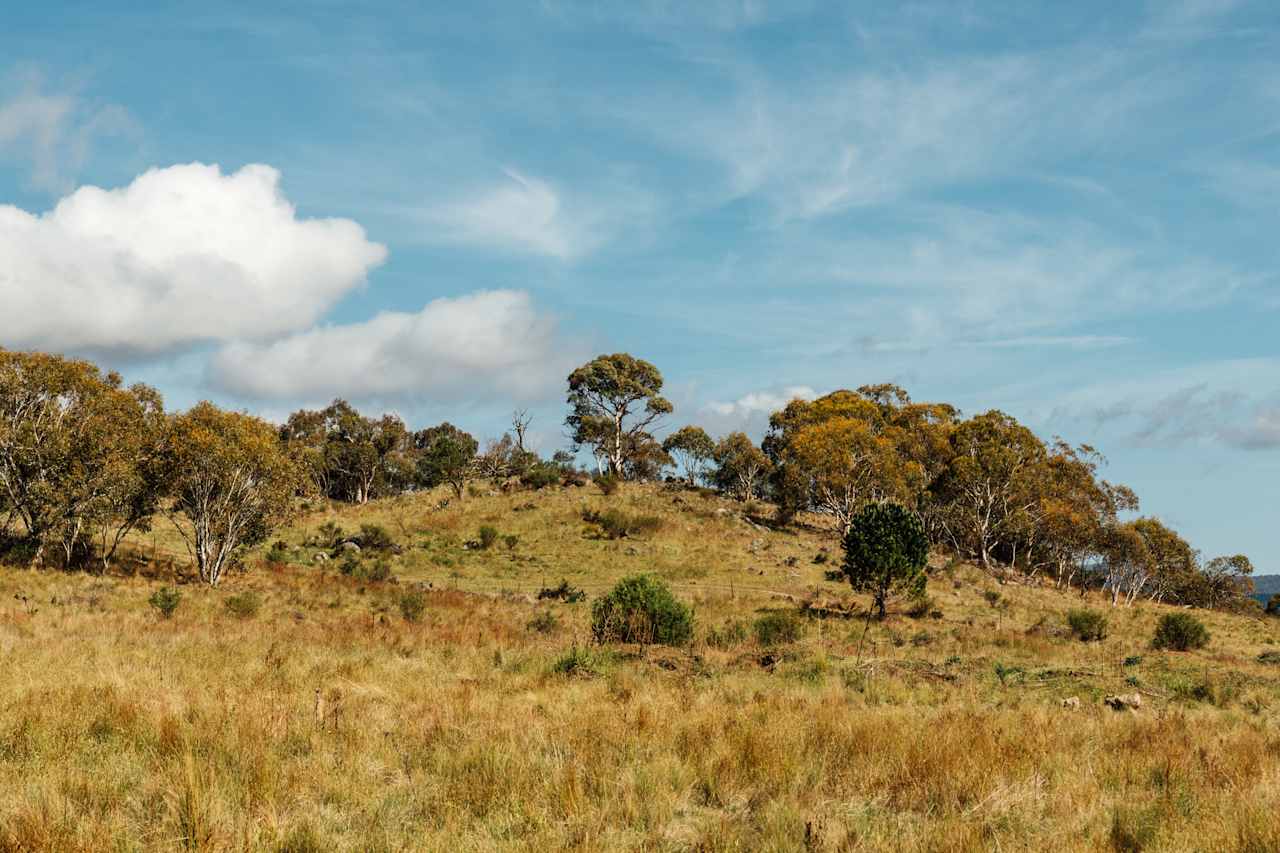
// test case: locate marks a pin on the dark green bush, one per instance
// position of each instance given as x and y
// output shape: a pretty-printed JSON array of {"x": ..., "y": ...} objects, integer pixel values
[
  {"x": 641, "y": 609},
  {"x": 511, "y": 541},
  {"x": 243, "y": 605},
  {"x": 165, "y": 600},
  {"x": 541, "y": 475},
  {"x": 1087, "y": 625},
  {"x": 412, "y": 604},
  {"x": 1180, "y": 632},
  {"x": 885, "y": 551},
  {"x": 608, "y": 484},
  {"x": 777, "y": 628},
  {"x": 374, "y": 537},
  {"x": 488, "y": 536}
]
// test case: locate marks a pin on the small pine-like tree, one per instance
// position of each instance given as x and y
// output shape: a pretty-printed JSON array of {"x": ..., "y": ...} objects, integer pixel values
[{"x": 885, "y": 552}]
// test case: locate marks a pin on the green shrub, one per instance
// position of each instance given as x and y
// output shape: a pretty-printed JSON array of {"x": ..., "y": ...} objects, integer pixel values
[
  {"x": 1180, "y": 632},
  {"x": 279, "y": 552},
  {"x": 776, "y": 628},
  {"x": 920, "y": 606},
  {"x": 374, "y": 537},
  {"x": 511, "y": 541},
  {"x": 616, "y": 524},
  {"x": 243, "y": 605},
  {"x": 412, "y": 604},
  {"x": 544, "y": 623},
  {"x": 1087, "y": 624},
  {"x": 728, "y": 635},
  {"x": 378, "y": 570},
  {"x": 488, "y": 536},
  {"x": 329, "y": 534},
  {"x": 166, "y": 600},
  {"x": 541, "y": 475},
  {"x": 993, "y": 597},
  {"x": 641, "y": 609},
  {"x": 608, "y": 484},
  {"x": 579, "y": 661}
]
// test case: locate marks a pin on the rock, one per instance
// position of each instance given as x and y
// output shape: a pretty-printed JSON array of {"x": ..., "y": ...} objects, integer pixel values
[
  {"x": 1124, "y": 702},
  {"x": 349, "y": 547},
  {"x": 1071, "y": 703},
  {"x": 320, "y": 558}
]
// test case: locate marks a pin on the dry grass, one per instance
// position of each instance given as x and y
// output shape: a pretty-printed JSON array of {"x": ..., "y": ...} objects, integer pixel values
[{"x": 328, "y": 721}]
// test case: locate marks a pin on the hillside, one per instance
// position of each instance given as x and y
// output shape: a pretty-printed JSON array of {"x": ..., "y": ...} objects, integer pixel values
[
  {"x": 1266, "y": 584},
  {"x": 322, "y": 718}
]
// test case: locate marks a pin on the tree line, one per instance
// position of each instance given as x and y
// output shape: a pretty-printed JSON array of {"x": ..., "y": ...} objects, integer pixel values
[{"x": 85, "y": 461}]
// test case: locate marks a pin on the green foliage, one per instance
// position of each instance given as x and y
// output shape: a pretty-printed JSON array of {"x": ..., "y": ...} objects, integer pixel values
[
  {"x": 641, "y": 609},
  {"x": 613, "y": 400},
  {"x": 230, "y": 482},
  {"x": 777, "y": 628},
  {"x": 920, "y": 606},
  {"x": 376, "y": 570},
  {"x": 728, "y": 635},
  {"x": 740, "y": 467},
  {"x": 488, "y": 536},
  {"x": 885, "y": 551},
  {"x": 1087, "y": 625},
  {"x": 412, "y": 604},
  {"x": 694, "y": 448},
  {"x": 545, "y": 622},
  {"x": 992, "y": 597},
  {"x": 374, "y": 537},
  {"x": 511, "y": 541},
  {"x": 616, "y": 524},
  {"x": 446, "y": 454},
  {"x": 581, "y": 661},
  {"x": 243, "y": 605},
  {"x": 564, "y": 592},
  {"x": 165, "y": 600},
  {"x": 329, "y": 534},
  {"x": 540, "y": 475},
  {"x": 608, "y": 484},
  {"x": 1180, "y": 632}
]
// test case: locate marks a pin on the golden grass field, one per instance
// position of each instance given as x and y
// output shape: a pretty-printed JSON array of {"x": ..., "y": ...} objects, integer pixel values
[{"x": 328, "y": 721}]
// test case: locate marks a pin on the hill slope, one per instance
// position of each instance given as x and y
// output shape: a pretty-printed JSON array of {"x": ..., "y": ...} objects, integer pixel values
[{"x": 323, "y": 718}]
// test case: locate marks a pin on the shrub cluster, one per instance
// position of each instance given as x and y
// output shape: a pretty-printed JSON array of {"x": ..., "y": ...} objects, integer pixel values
[
  {"x": 641, "y": 609},
  {"x": 1180, "y": 632},
  {"x": 616, "y": 524},
  {"x": 777, "y": 628},
  {"x": 1087, "y": 625}
]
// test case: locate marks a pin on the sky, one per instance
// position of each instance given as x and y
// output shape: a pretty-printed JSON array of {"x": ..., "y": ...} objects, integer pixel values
[{"x": 1067, "y": 211}]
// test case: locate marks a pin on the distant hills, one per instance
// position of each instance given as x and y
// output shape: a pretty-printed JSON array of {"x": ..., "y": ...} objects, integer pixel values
[{"x": 1266, "y": 585}]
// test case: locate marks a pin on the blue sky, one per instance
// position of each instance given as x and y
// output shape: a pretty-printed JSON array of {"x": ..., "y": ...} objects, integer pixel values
[{"x": 1067, "y": 211}]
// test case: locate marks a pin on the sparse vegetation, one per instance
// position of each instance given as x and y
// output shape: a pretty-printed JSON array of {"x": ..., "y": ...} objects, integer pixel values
[
  {"x": 243, "y": 605},
  {"x": 777, "y": 628},
  {"x": 412, "y": 604}
]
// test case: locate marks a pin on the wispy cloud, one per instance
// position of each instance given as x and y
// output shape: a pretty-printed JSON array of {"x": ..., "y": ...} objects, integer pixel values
[
  {"x": 52, "y": 133},
  {"x": 528, "y": 214}
]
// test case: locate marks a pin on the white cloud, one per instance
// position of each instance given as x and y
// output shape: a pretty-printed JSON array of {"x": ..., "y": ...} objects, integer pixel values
[
  {"x": 525, "y": 214},
  {"x": 182, "y": 255},
  {"x": 53, "y": 132},
  {"x": 752, "y": 406},
  {"x": 469, "y": 347}
]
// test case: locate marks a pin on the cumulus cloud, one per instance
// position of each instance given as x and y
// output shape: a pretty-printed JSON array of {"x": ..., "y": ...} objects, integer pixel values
[
  {"x": 183, "y": 255},
  {"x": 491, "y": 342},
  {"x": 761, "y": 402}
]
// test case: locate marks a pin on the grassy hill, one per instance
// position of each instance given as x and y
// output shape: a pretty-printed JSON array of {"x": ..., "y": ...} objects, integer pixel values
[{"x": 297, "y": 708}]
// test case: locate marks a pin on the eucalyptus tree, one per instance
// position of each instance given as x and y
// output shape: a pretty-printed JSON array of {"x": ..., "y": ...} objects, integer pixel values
[{"x": 614, "y": 401}]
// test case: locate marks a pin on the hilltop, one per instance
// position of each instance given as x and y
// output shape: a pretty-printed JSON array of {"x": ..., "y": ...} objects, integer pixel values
[{"x": 303, "y": 706}]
